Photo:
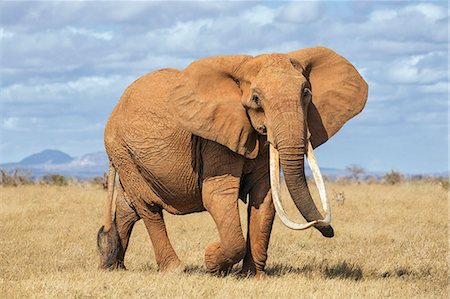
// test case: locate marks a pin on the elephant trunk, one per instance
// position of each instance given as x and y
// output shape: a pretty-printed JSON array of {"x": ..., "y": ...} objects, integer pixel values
[{"x": 290, "y": 148}]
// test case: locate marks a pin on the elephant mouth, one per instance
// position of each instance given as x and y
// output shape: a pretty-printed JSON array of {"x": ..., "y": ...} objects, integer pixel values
[{"x": 276, "y": 194}]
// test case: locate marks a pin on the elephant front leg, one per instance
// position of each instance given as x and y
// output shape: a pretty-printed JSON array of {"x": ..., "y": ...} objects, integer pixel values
[
  {"x": 261, "y": 214},
  {"x": 220, "y": 195}
]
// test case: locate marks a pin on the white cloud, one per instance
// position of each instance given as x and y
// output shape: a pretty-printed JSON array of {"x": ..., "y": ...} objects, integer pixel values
[
  {"x": 184, "y": 35},
  {"x": 301, "y": 12},
  {"x": 58, "y": 91},
  {"x": 5, "y": 34},
  {"x": 10, "y": 122},
  {"x": 259, "y": 15},
  {"x": 438, "y": 87},
  {"x": 382, "y": 15},
  {"x": 436, "y": 117},
  {"x": 430, "y": 11},
  {"x": 410, "y": 70},
  {"x": 106, "y": 35}
]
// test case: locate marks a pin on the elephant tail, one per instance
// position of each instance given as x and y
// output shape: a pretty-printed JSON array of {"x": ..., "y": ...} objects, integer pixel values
[
  {"x": 108, "y": 242},
  {"x": 111, "y": 185}
]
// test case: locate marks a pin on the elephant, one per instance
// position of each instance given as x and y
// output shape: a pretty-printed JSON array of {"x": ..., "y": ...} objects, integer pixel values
[{"x": 203, "y": 138}]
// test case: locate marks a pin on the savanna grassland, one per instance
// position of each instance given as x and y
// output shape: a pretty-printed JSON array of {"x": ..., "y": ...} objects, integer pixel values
[{"x": 391, "y": 241}]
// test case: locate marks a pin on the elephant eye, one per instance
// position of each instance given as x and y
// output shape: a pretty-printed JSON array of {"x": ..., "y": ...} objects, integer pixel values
[{"x": 256, "y": 100}]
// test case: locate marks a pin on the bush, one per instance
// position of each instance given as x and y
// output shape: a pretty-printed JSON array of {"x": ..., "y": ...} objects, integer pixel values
[
  {"x": 14, "y": 179},
  {"x": 55, "y": 179},
  {"x": 344, "y": 180},
  {"x": 393, "y": 178},
  {"x": 370, "y": 179},
  {"x": 100, "y": 181}
]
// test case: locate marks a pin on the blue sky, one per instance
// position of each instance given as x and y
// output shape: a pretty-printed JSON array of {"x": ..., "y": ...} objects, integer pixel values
[{"x": 64, "y": 66}]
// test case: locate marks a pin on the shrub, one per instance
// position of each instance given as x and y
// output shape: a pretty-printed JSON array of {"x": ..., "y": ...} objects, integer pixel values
[
  {"x": 55, "y": 179},
  {"x": 344, "y": 180},
  {"x": 371, "y": 180},
  {"x": 16, "y": 178},
  {"x": 393, "y": 178},
  {"x": 100, "y": 181}
]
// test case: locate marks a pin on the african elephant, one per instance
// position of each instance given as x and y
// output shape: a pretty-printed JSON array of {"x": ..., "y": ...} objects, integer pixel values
[{"x": 198, "y": 139}]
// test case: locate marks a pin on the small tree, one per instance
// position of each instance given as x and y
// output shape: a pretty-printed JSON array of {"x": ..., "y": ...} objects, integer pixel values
[
  {"x": 393, "y": 178},
  {"x": 356, "y": 171},
  {"x": 16, "y": 178}
]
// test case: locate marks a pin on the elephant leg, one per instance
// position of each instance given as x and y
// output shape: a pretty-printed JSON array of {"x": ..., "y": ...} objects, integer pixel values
[
  {"x": 143, "y": 199},
  {"x": 113, "y": 243},
  {"x": 166, "y": 258},
  {"x": 220, "y": 200},
  {"x": 261, "y": 214},
  {"x": 125, "y": 218},
  {"x": 222, "y": 170}
]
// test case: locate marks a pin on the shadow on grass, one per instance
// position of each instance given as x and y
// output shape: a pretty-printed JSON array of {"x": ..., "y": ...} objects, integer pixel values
[
  {"x": 343, "y": 270},
  {"x": 201, "y": 270},
  {"x": 147, "y": 267},
  {"x": 325, "y": 269},
  {"x": 404, "y": 272},
  {"x": 194, "y": 269}
]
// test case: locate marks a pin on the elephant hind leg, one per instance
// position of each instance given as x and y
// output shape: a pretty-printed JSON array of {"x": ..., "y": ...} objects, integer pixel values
[
  {"x": 166, "y": 258},
  {"x": 108, "y": 244},
  {"x": 113, "y": 244},
  {"x": 147, "y": 205},
  {"x": 108, "y": 238},
  {"x": 125, "y": 218}
]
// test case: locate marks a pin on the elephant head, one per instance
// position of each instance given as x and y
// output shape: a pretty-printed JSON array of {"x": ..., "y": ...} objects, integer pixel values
[{"x": 298, "y": 99}]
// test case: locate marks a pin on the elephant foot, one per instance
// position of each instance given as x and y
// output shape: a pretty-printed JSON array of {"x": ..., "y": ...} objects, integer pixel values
[
  {"x": 218, "y": 262},
  {"x": 108, "y": 245},
  {"x": 118, "y": 265},
  {"x": 215, "y": 259},
  {"x": 173, "y": 267},
  {"x": 247, "y": 273}
]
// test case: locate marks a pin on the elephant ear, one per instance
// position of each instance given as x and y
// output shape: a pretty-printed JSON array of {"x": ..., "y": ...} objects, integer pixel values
[
  {"x": 207, "y": 103},
  {"x": 339, "y": 91}
]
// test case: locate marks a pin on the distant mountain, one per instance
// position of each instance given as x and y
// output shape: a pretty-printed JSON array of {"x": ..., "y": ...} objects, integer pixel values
[
  {"x": 47, "y": 157},
  {"x": 55, "y": 161}
]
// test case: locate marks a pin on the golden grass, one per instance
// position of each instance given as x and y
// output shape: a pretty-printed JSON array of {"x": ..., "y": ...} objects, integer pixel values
[{"x": 391, "y": 241}]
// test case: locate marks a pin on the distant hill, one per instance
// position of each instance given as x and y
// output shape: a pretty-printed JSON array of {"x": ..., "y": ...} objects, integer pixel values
[
  {"x": 54, "y": 161},
  {"x": 47, "y": 157}
]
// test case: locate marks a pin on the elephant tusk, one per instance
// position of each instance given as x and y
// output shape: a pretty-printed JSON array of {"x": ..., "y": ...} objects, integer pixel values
[
  {"x": 312, "y": 161},
  {"x": 275, "y": 186}
]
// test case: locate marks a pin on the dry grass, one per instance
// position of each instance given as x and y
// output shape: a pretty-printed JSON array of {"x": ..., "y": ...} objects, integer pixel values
[{"x": 391, "y": 241}]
